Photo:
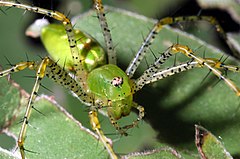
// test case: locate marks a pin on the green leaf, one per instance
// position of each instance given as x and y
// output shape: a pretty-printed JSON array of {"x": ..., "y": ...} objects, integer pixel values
[
  {"x": 163, "y": 153},
  {"x": 209, "y": 146},
  {"x": 4, "y": 154},
  {"x": 173, "y": 105},
  {"x": 9, "y": 95},
  {"x": 56, "y": 134}
]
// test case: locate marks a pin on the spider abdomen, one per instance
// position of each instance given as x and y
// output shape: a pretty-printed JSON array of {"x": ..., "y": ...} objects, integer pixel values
[{"x": 89, "y": 49}]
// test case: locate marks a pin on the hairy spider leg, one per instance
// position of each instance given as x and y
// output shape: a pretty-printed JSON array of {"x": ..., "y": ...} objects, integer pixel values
[
  {"x": 112, "y": 60},
  {"x": 60, "y": 76},
  {"x": 161, "y": 74},
  {"x": 40, "y": 68},
  {"x": 81, "y": 73},
  {"x": 122, "y": 130},
  {"x": 93, "y": 116},
  {"x": 106, "y": 31},
  {"x": 153, "y": 73},
  {"x": 77, "y": 59},
  {"x": 218, "y": 64},
  {"x": 176, "y": 48},
  {"x": 140, "y": 116},
  {"x": 158, "y": 27},
  {"x": 56, "y": 73}
]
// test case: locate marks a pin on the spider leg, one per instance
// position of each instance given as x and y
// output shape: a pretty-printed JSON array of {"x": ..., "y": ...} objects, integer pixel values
[
  {"x": 140, "y": 116},
  {"x": 122, "y": 130},
  {"x": 59, "y": 75},
  {"x": 161, "y": 74},
  {"x": 172, "y": 20},
  {"x": 141, "y": 81},
  {"x": 106, "y": 31},
  {"x": 220, "y": 65},
  {"x": 205, "y": 63},
  {"x": 97, "y": 128},
  {"x": 18, "y": 67},
  {"x": 62, "y": 77},
  {"x": 40, "y": 71},
  {"x": 56, "y": 73},
  {"x": 153, "y": 73},
  {"x": 117, "y": 126},
  {"x": 77, "y": 59}
]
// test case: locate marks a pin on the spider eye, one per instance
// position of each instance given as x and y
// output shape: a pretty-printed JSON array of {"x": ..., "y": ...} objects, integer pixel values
[{"x": 117, "y": 81}]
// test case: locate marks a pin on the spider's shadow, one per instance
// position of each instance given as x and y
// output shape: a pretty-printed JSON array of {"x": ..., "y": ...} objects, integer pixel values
[{"x": 169, "y": 125}]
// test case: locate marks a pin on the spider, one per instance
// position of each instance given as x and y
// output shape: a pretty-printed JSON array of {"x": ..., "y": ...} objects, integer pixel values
[{"x": 115, "y": 87}]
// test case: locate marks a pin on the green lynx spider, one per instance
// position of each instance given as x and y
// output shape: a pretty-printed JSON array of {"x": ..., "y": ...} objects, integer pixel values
[{"x": 118, "y": 86}]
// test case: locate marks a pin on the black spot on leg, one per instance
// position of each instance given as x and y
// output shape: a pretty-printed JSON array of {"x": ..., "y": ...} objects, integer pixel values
[{"x": 69, "y": 30}]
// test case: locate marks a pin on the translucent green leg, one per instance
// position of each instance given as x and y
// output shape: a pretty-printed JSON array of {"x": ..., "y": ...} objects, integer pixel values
[
  {"x": 18, "y": 67},
  {"x": 97, "y": 128},
  {"x": 140, "y": 116},
  {"x": 54, "y": 72},
  {"x": 116, "y": 125},
  {"x": 39, "y": 75},
  {"x": 60, "y": 76},
  {"x": 122, "y": 130},
  {"x": 106, "y": 31},
  {"x": 158, "y": 27}
]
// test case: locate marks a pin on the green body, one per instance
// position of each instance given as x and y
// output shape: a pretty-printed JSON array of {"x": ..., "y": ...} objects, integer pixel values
[
  {"x": 118, "y": 99},
  {"x": 55, "y": 41}
]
